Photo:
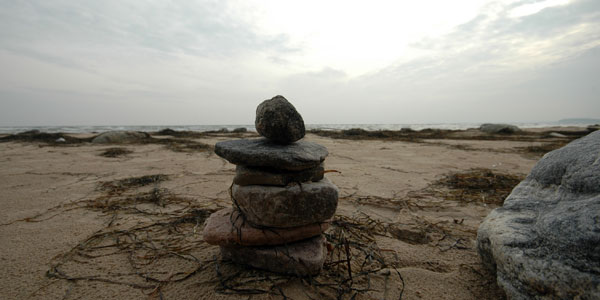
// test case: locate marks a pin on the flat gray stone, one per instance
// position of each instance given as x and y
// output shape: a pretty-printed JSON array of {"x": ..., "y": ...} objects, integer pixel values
[
  {"x": 264, "y": 153},
  {"x": 300, "y": 258},
  {"x": 248, "y": 176},
  {"x": 289, "y": 206},
  {"x": 499, "y": 128},
  {"x": 227, "y": 227},
  {"x": 278, "y": 120},
  {"x": 544, "y": 243}
]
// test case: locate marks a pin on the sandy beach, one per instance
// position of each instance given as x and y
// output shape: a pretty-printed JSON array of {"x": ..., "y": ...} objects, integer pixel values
[{"x": 79, "y": 225}]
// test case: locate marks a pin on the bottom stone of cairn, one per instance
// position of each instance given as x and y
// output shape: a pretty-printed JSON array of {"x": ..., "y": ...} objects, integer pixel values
[{"x": 300, "y": 258}]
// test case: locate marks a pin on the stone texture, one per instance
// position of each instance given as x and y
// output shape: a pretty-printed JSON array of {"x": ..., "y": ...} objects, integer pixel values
[
  {"x": 301, "y": 258},
  {"x": 249, "y": 176},
  {"x": 278, "y": 120},
  {"x": 544, "y": 243},
  {"x": 227, "y": 228},
  {"x": 499, "y": 128},
  {"x": 264, "y": 153},
  {"x": 289, "y": 206},
  {"x": 116, "y": 137}
]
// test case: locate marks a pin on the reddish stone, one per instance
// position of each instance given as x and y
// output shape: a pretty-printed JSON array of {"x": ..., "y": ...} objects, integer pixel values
[{"x": 227, "y": 227}]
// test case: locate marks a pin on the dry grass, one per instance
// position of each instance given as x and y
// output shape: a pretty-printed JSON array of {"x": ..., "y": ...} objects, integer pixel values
[
  {"x": 479, "y": 186},
  {"x": 150, "y": 227},
  {"x": 35, "y": 136},
  {"x": 409, "y": 135},
  {"x": 115, "y": 152},
  {"x": 354, "y": 263},
  {"x": 544, "y": 148}
]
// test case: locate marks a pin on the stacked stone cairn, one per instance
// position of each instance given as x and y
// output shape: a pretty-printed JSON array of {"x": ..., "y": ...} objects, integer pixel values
[{"x": 281, "y": 201}]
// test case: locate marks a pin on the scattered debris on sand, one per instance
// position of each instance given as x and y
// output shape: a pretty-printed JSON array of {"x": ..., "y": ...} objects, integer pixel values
[
  {"x": 479, "y": 186},
  {"x": 115, "y": 152}
]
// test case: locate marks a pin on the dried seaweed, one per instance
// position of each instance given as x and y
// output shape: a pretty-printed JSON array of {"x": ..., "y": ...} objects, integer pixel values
[
  {"x": 353, "y": 264},
  {"x": 543, "y": 148},
  {"x": 115, "y": 152},
  {"x": 169, "y": 235},
  {"x": 61, "y": 139},
  {"x": 479, "y": 186},
  {"x": 118, "y": 186},
  {"x": 237, "y": 132},
  {"x": 409, "y": 135},
  {"x": 36, "y": 136},
  {"x": 179, "y": 144}
]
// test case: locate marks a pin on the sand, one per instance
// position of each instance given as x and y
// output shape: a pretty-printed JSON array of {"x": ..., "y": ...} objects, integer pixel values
[{"x": 52, "y": 203}]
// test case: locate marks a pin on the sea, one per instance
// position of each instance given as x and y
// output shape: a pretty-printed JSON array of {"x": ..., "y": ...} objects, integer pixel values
[{"x": 371, "y": 127}]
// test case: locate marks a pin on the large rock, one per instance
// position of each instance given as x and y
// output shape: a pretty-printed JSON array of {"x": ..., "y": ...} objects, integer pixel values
[
  {"x": 227, "y": 227},
  {"x": 499, "y": 128},
  {"x": 544, "y": 243},
  {"x": 301, "y": 258},
  {"x": 120, "y": 137},
  {"x": 264, "y": 153},
  {"x": 289, "y": 206},
  {"x": 278, "y": 120},
  {"x": 248, "y": 176}
]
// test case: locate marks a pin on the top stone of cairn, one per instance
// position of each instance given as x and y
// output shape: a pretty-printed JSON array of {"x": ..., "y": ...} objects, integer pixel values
[{"x": 278, "y": 121}]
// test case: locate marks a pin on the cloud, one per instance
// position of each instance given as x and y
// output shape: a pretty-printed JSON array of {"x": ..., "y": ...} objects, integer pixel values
[
  {"x": 208, "y": 62},
  {"x": 492, "y": 68},
  {"x": 204, "y": 28}
]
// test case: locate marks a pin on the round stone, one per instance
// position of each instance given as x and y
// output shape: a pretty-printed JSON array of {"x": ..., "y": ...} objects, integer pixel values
[
  {"x": 278, "y": 120},
  {"x": 288, "y": 206},
  {"x": 264, "y": 153}
]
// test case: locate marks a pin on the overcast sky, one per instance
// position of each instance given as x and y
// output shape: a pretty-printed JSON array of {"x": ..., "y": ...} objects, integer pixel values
[{"x": 212, "y": 62}]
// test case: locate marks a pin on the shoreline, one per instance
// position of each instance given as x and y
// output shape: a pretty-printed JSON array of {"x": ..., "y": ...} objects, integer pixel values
[{"x": 250, "y": 127}]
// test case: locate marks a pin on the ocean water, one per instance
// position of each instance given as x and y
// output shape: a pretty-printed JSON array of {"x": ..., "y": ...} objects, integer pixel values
[{"x": 201, "y": 128}]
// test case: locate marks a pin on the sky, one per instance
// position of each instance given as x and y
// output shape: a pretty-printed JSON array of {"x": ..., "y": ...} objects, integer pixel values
[{"x": 88, "y": 62}]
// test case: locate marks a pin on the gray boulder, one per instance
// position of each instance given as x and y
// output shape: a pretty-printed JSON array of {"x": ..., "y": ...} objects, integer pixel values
[
  {"x": 264, "y": 153},
  {"x": 278, "y": 120},
  {"x": 288, "y": 206},
  {"x": 499, "y": 128},
  {"x": 120, "y": 137},
  {"x": 544, "y": 243}
]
